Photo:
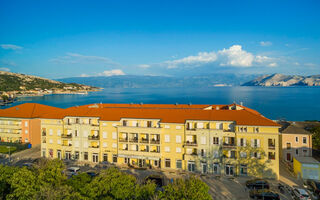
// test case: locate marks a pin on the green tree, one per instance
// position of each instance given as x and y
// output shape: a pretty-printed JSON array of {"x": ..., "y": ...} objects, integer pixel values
[
  {"x": 24, "y": 185},
  {"x": 50, "y": 173},
  {"x": 79, "y": 183},
  {"x": 316, "y": 138},
  {"x": 191, "y": 188},
  {"x": 6, "y": 173}
]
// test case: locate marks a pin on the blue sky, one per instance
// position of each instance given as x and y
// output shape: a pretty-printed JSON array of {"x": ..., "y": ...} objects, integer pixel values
[{"x": 57, "y": 39}]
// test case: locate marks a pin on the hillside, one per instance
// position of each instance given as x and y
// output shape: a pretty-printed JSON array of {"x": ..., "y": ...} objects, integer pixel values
[
  {"x": 284, "y": 80},
  {"x": 135, "y": 81},
  {"x": 20, "y": 82}
]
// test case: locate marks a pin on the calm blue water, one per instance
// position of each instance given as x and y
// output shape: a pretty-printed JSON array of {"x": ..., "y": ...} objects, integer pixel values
[{"x": 291, "y": 103}]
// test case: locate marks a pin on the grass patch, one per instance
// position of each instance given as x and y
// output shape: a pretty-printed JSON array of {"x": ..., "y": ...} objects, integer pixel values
[{"x": 4, "y": 149}]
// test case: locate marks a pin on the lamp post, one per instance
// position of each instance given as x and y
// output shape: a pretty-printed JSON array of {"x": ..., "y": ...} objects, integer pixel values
[{"x": 9, "y": 153}]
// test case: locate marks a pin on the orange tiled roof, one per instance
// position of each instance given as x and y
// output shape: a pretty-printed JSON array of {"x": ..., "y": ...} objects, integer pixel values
[
  {"x": 167, "y": 115},
  {"x": 27, "y": 110},
  {"x": 131, "y": 105}
]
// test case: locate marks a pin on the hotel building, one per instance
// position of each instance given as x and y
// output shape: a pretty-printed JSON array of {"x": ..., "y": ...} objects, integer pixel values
[{"x": 218, "y": 139}]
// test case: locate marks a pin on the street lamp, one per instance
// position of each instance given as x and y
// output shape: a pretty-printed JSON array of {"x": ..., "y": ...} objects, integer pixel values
[{"x": 9, "y": 153}]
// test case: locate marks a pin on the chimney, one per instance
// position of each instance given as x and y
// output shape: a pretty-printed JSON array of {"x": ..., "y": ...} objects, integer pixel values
[{"x": 217, "y": 108}]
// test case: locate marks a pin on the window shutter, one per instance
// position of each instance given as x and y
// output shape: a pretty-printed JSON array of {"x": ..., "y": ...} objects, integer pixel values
[
  {"x": 252, "y": 142},
  {"x": 244, "y": 142},
  {"x": 258, "y": 142},
  {"x": 239, "y": 144}
]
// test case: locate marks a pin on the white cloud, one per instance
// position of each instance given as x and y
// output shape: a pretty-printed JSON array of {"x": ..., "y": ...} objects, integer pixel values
[
  {"x": 235, "y": 56},
  {"x": 310, "y": 64},
  {"x": 114, "y": 72},
  {"x": 84, "y": 75},
  {"x": 10, "y": 46},
  {"x": 273, "y": 64},
  {"x": 201, "y": 58},
  {"x": 265, "y": 43},
  {"x": 4, "y": 69},
  {"x": 144, "y": 66},
  {"x": 72, "y": 58}
]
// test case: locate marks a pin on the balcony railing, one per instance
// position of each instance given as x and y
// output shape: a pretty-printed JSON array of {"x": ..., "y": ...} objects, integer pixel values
[
  {"x": 143, "y": 140},
  {"x": 230, "y": 145},
  {"x": 144, "y": 150},
  {"x": 44, "y": 133},
  {"x": 153, "y": 141},
  {"x": 272, "y": 147},
  {"x": 66, "y": 136},
  {"x": 133, "y": 139},
  {"x": 193, "y": 143},
  {"x": 155, "y": 151},
  {"x": 123, "y": 140},
  {"x": 94, "y": 146},
  {"x": 93, "y": 137},
  {"x": 67, "y": 145},
  {"x": 125, "y": 149}
]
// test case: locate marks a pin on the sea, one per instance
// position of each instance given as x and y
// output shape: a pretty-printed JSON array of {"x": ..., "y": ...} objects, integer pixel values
[{"x": 287, "y": 103}]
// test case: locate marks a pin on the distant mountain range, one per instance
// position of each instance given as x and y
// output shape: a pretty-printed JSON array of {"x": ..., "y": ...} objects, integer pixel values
[
  {"x": 135, "y": 81},
  {"x": 284, "y": 80},
  {"x": 21, "y": 82}
]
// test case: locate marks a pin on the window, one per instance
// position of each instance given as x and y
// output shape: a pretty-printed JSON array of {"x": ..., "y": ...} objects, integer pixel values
[
  {"x": 256, "y": 130},
  {"x": 203, "y": 152},
  {"x": 104, "y": 135},
  {"x": 200, "y": 125},
  {"x": 59, "y": 141},
  {"x": 255, "y": 143},
  {"x": 104, "y": 124},
  {"x": 59, "y": 154},
  {"x": 297, "y": 152},
  {"x": 288, "y": 145},
  {"x": 114, "y": 135},
  {"x": 114, "y": 145},
  {"x": 95, "y": 158},
  {"x": 179, "y": 164},
  {"x": 104, "y": 144},
  {"x": 68, "y": 155},
  {"x": 178, "y": 127},
  {"x": 167, "y": 149},
  {"x": 114, "y": 158},
  {"x": 59, "y": 132},
  {"x": 85, "y": 156},
  {"x": 272, "y": 155},
  {"x": 304, "y": 140},
  {"x": 43, "y": 152},
  {"x": 178, "y": 139},
  {"x": 105, "y": 157},
  {"x": 26, "y": 140},
  {"x": 178, "y": 150},
  {"x": 167, "y": 163},
  {"x": 50, "y": 141},
  {"x": 26, "y": 131},
  {"x": 25, "y": 124},
  {"x": 166, "y": 126},
  {"x": 76, "y": 155},
  {"x": 76, "y": 133},
  {"x": 255, "y": 155},
  {"x": 77, "y": 120},
  {"x": 156, "y": 163},
  {"x": 191, "y": 166},
  {"x": 219, "y": 126},
  {"x": 271, "y": 143},
  {"x": 297, "y": 139},
  {"x": 124, "y": 123},
  {"x": 50, "y": 132},
  {"x": 243, "y": 170},
  {"x": 242, "y": 142},
  {"x": 215, "y": 140},
  {"x": 203, "y": 140},
  {"x": 167, "y": 138},
  {"x": 243, "y": 154},
  {"x": 149, "y": 124},
  {"x": 134, "y": 123}
]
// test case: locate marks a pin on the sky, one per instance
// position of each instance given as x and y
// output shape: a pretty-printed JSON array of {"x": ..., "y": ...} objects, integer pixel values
[{"x": 58, "y": 39}]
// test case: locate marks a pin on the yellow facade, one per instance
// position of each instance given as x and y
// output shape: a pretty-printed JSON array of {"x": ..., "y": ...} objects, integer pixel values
[{"x": 197, "y": 145}]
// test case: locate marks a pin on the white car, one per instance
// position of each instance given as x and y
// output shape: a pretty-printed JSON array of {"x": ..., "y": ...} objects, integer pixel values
[
  {"x": 301, "y": 194},
  {"x": 73, "y": 171}
]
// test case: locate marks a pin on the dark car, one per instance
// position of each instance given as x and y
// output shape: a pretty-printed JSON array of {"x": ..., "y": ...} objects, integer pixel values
[
  {"x": 257, "y": 184},
  {"x": 314, "y": 186},
  {"x": 92, "y": 174},
  {"x": 264, "y": 194}
]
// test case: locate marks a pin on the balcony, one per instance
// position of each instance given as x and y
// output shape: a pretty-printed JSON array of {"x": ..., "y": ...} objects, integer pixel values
[
  {"x": 123, "y": 140},
  {"x": 192, "y": 143},
  {"x": 135, "y": 140},
  {"x": 144, "y": 140},
  {"x": 229, "y": 145},
  {"x": 272, "y": 147},
  {"x": 144, "y": 150},
  {"x": 93, "y": 137},
  {"x": 67, "y": 145},
  {"x": 66, "y": 136},
  {"x": 44, "y": 133},
  {"x": 94, "y": 146},
  {"x": 155, "y": 151},
  {"x": 153, "y": 141}
]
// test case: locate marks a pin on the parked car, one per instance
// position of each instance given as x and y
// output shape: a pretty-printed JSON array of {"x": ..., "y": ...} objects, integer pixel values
[
  {"x": 314, "y": 186},
  {"x": 92, "y": 173},
  {"x": 257, "y": 184},
  {"x": 301, "y": 194},
  {"x": 264, "y": 194},
  {"x": 71, "y": 171}
]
